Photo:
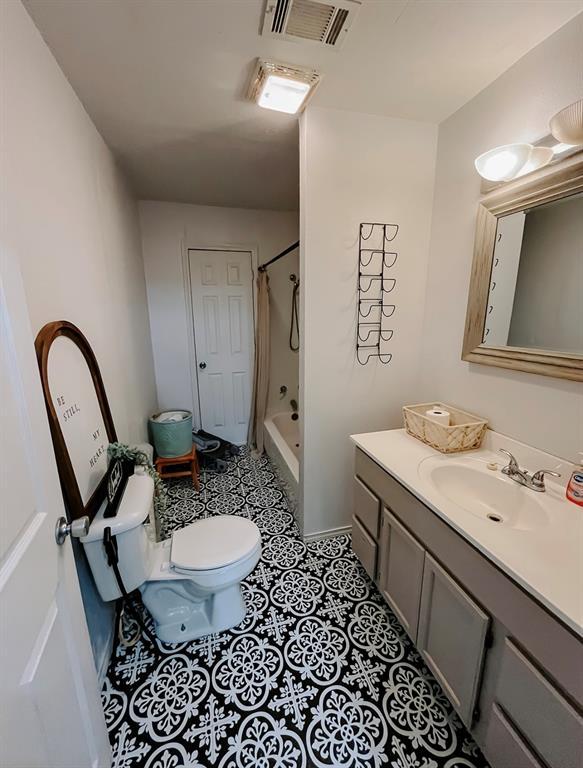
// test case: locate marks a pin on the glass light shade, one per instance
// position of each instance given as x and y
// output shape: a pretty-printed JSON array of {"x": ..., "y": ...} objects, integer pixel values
[
  {"x": 283, "y": 94},
  {"x": 567, "y": 125},
  {"x": 558, "y": 149},
  {"x": 503, "y": 163},
  {"x": 539, "y": 157}
]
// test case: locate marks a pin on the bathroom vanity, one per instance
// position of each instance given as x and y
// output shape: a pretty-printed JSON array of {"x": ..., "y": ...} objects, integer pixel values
[{"x": 494, "y": 606}]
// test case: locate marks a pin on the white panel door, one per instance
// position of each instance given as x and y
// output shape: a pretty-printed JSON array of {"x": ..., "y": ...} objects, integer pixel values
[
  {"x": 50, "y": 711},
  {"x": 222, "y": 302}
]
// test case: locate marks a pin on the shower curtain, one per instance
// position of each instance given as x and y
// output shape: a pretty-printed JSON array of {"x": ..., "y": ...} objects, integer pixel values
[{"x": 261, "y": 371}]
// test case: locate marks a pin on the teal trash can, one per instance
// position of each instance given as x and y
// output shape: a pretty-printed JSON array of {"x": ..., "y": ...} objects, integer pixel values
[{"x": 171, "y": 433}]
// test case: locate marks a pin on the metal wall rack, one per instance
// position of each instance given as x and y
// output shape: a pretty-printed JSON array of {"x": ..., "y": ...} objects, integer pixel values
[{"x": 375, "y": 260}]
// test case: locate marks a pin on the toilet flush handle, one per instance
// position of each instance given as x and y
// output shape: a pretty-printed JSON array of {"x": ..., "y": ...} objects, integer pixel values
[{"x": 77, "y": 528}]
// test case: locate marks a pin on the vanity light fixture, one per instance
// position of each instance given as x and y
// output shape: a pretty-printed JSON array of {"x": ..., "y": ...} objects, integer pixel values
[
  {"x": 511, "y": 161},
  {"x": 282, "y": 87}
]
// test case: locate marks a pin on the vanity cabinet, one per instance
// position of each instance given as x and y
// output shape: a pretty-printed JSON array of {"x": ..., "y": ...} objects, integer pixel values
[
  {"x": 401, "y": 571},
  {"x": 512, "y": 670}
]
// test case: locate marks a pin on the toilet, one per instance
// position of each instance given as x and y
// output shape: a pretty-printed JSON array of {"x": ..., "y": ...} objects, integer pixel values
[{"x": 190, "y": 583}]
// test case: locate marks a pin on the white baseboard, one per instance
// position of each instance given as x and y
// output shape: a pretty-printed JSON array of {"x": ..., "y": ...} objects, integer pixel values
[{"x": 328, "y": 533}]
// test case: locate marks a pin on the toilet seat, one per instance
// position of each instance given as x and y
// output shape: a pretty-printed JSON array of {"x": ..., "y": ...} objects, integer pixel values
[{"x": 214, "y": 543}]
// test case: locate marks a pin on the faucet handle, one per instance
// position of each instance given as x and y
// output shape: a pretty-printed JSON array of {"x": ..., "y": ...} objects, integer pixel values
[
  {"x": 512, "y": 463},
  {"x": 538, "y": 478}
]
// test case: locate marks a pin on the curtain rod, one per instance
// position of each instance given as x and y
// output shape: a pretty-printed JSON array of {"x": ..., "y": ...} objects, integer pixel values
[{"x": 263, "y": 267}]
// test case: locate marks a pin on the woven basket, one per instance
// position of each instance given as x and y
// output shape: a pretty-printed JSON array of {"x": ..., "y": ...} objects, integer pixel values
[{"x": 465, "y": 432}]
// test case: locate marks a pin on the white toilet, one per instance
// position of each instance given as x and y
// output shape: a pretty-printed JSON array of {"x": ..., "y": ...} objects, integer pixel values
[{"x": 191, "y": 583}]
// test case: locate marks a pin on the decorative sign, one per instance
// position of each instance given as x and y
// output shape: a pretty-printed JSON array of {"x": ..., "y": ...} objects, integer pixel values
[
  {"x": 78, "y": 413},
  {"x": 117, "y": 477}
]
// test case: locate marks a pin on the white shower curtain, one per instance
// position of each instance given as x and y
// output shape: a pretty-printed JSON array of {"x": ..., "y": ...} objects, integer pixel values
[{"x": 261, "y": 371}]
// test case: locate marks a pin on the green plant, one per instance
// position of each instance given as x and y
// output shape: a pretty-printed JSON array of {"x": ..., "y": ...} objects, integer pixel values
[{"x": 123, "y": 451}]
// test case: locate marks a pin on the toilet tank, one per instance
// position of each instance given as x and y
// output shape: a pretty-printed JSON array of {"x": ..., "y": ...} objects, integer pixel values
[{"x": 134, "y": 538}]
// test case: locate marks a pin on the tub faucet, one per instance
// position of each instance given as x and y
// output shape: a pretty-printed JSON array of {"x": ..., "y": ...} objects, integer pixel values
[{"x": 294, "y": 405}]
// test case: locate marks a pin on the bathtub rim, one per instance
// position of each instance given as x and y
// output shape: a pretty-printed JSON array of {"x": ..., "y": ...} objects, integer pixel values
[{"x": 286, "y": 452}]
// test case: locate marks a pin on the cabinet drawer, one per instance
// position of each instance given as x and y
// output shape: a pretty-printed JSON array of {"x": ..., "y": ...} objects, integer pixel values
[
  {"x": 541, "y": 713},
  {"x": 401, "y": 572},
  {"x": 364, "y": 548},
  {"x": 452, "y": 637},
  {"x": 504, "y": 747},
  {"x": 367, "y": 508}
]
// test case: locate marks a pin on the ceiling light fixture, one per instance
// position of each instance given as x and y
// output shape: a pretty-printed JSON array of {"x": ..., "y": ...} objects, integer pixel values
[{"x": 282, "y": 87}]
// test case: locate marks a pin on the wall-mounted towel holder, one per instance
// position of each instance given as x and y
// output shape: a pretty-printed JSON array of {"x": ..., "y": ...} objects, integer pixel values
[{"x": 374, "y": 286}]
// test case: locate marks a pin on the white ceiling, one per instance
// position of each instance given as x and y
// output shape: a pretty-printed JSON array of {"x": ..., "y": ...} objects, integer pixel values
[{"x": 164, "y": 80}]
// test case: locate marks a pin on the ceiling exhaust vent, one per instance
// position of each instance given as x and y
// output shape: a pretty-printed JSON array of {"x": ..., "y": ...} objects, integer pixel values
[{"x": 310, "y": 20}]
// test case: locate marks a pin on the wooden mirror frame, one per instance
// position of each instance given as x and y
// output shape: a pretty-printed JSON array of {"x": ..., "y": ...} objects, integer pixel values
[
  {"x": 554, "y": 182},
  {"x": 71, "y": 493}
]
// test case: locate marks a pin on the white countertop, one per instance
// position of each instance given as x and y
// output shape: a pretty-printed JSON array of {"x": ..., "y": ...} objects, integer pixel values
[{"x": 546, "y": 561}]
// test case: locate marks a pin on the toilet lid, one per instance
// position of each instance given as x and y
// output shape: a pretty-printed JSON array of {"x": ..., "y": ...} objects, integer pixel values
[{"x": 213, "y": 543}]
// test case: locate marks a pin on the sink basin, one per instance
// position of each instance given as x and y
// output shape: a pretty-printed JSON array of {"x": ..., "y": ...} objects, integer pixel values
[{"x": 487, "y": 494}]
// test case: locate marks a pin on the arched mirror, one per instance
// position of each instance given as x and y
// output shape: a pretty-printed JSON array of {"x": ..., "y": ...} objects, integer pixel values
[{"x": 79, "y": 416}]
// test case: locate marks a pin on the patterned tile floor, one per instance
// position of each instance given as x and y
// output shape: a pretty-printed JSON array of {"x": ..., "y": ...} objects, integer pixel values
[{"x": 320, "y": 673}]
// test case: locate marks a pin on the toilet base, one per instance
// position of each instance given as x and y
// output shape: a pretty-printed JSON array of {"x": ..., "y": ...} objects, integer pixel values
[{"x": 181, "y": 613}]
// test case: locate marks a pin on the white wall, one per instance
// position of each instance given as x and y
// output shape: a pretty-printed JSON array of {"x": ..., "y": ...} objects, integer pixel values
[
  {"x": 68, "y": 216},
  {"x": 170, "y": 228},
  {"x": 356, "y": 168},
  {"x": 544, "y": 412}
]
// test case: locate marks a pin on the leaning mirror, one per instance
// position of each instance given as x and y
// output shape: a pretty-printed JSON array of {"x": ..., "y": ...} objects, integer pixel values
[
  {"x": 79, "y": 415},
  {"x": 525, "y": 304}
]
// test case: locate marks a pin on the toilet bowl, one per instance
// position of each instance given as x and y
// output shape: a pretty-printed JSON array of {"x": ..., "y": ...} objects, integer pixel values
[{"x": 190, "y": 583}]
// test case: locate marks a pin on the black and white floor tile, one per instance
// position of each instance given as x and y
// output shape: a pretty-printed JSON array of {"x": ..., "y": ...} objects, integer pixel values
[{"x": 320, "y": 673}]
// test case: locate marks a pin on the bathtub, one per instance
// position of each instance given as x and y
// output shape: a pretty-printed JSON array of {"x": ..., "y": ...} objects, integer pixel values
[{"x": 282, "y": 445}]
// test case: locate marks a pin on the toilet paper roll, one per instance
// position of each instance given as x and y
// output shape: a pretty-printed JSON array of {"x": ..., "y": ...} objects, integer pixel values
[{"x": 439, "y": 415}]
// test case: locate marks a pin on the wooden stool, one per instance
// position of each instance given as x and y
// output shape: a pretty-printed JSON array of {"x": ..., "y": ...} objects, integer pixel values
[{"x": 164, "y": 467}]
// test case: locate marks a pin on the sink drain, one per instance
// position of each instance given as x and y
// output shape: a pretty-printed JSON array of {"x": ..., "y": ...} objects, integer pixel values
[{"x": 495, "y": 518}]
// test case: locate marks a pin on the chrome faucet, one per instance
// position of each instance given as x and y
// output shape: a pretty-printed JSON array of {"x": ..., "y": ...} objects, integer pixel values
[{"x": 536, "y": 481}]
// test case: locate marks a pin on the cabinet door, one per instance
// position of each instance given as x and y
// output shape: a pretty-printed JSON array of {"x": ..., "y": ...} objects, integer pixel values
[
  {"x": 452, "y": 637},
  {"x": 538, "y": 710},
  {"x": 401, "y": 572},
  {"x": 504, "y": 747}
]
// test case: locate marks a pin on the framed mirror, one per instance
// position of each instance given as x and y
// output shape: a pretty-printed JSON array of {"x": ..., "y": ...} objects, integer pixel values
[
  {"x": 525, "y": 303},
  {"x": 79, "y": 415}
]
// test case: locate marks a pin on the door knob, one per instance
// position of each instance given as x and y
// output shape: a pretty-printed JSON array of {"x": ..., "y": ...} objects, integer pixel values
[
  {"x": 76, "y": 528},
  {"x": 202, "y": 366}
]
